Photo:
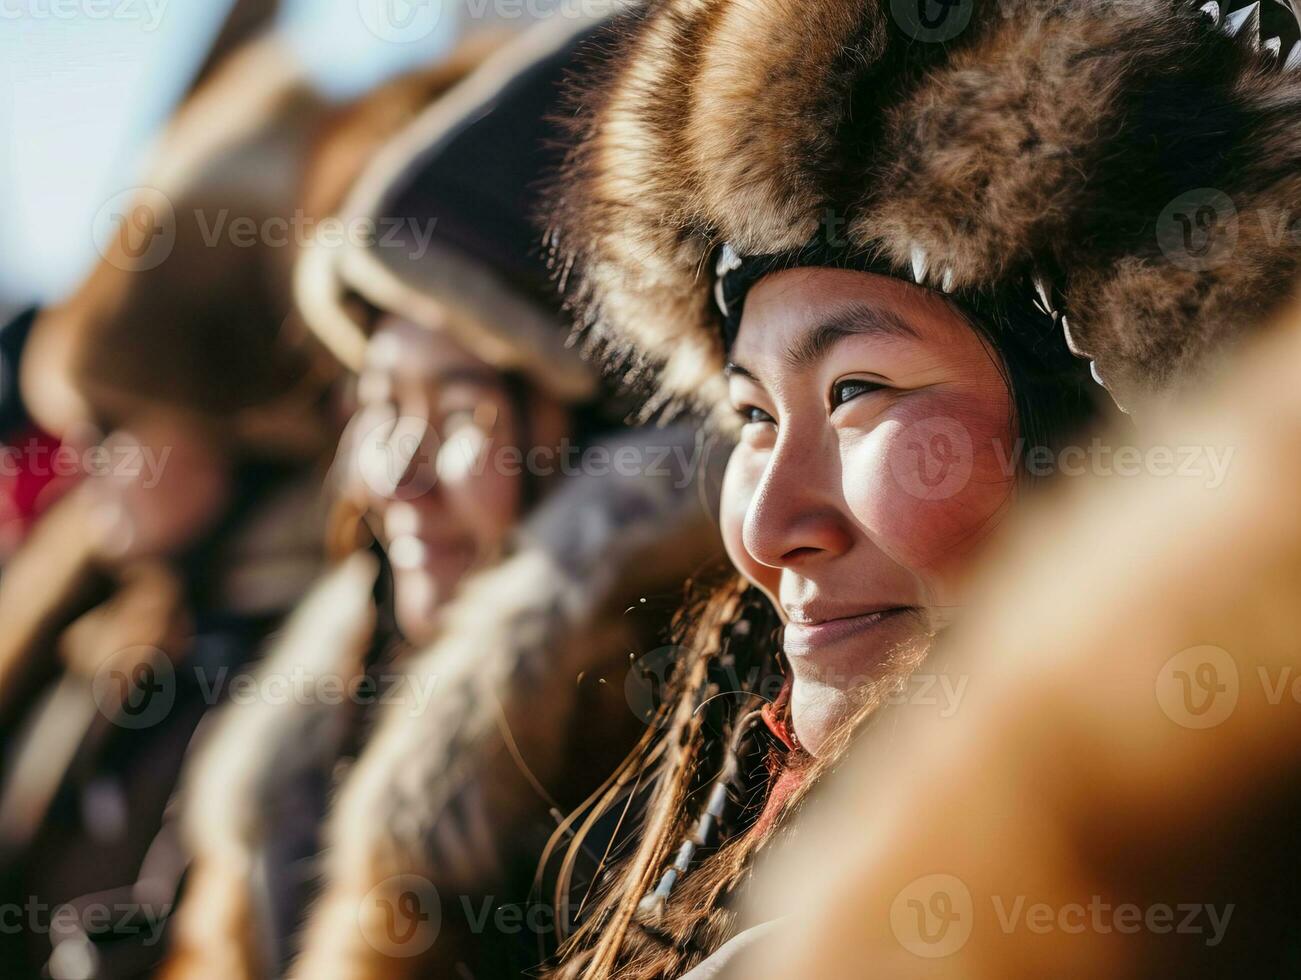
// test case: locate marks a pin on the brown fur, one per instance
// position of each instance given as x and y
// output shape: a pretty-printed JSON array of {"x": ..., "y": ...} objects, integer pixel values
[{"x": 1045, "y": 136}]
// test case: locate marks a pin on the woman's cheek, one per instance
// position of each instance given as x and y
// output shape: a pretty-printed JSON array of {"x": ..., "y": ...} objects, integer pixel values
[
  {"x": 485, "y": 493},
  {"x": 740, "y": 482},
  {"x": 926, "y": 486}
]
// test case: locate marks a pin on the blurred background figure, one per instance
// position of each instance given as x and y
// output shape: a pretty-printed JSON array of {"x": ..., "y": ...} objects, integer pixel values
[
  {"x": 499, "y": 573},
  {"x": 179, "y": 388}
]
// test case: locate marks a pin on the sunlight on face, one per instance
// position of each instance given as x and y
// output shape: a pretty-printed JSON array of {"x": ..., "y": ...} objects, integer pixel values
[
  {"x": 420, "y": 457},
  {"x": 871, "y": 466}
]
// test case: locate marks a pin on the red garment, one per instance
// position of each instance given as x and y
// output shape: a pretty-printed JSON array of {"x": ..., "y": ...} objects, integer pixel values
[{"x": 29, "y": 482}]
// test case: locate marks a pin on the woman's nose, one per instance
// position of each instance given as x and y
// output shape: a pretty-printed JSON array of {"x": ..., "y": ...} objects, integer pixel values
[
  {"x": 794, "y": 516},
  {"x": 395, "y": 457}
]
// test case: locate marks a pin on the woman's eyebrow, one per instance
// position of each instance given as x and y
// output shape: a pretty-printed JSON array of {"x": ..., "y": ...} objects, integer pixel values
[
  {"x": 732, "y": 368},
  {"x": 858, "y": 319}
]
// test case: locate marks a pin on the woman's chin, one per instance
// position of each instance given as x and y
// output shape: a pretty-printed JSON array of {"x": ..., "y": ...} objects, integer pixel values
[{"x": 819, "y": 712}]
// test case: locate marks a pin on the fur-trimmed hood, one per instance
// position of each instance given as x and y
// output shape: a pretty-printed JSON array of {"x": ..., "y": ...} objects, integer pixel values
[
  {"x": 448, "y": 239},
  {"x": 1139, "y": 159}
]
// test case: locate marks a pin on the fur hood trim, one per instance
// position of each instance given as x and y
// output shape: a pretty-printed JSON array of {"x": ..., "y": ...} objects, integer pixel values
[
  {"x": 420, "y": 178},
  {"x": 1140, "y": 160},
  {"x": 433, "y": 791}
]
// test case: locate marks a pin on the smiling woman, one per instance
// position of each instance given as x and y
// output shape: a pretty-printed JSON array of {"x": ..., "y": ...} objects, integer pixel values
[
  {"x": 926, "y": 257},
  {"x": 834, "y": 504}
]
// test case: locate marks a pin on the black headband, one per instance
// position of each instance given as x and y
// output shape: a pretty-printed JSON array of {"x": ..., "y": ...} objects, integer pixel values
[{"x": 735, "y": 274}]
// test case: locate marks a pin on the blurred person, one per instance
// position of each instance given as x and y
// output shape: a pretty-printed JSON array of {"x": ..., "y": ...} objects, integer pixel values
[
  {"x": 500, "y": 570},
  {"x": 885, "y": 261},
  {"x": 29, "y": 484},
  {"x": 196, "y": 415}
]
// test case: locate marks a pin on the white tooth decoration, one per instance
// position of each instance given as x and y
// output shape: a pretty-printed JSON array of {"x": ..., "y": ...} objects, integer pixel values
[
  {"x": 1212, "y": 10},
  {"x": 1045, "y": 295},
  {"x": 1293, "y": 62},
  {"x": 946, "y": 282},
  {"x": 1093, "y": 365},
  {"x": 1070, "y": 341},
  {"x": 920, "y": 265},
  {"x": 1247, "y": 19},
  {"x": 1274, "y": 46}
]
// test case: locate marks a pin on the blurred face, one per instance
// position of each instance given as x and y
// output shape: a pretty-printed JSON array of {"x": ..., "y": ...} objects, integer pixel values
[
  {"x": 871, "y": 465},
  {"x": 171, "y": 486},
  {"x": 422, "y": 450}
]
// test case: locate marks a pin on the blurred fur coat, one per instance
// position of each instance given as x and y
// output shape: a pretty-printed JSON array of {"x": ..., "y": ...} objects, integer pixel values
[{"x": 510, "y": 717}]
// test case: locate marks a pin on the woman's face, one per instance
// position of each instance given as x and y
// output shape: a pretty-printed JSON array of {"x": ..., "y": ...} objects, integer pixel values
[
  {"x": 422, "y": 455},
  {"x": 872, "y": 463}
]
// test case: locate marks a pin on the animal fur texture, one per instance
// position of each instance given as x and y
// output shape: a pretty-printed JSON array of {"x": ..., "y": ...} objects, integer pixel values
[
  {"x": 437, "y": 791},
  {"x": 1075, "y": 140}
]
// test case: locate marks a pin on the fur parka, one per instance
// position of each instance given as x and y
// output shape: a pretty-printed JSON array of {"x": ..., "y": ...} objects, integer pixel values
[
  {"x": 512, "y": 715},
  {"x": 1135, "y": 165}
]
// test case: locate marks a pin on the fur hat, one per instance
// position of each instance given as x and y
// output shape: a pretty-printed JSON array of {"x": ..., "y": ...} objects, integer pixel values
[
  {"x": 1133, "y": 166},
  {"x": 443, "y": 222},
  {"x": 183, "y": 314}
]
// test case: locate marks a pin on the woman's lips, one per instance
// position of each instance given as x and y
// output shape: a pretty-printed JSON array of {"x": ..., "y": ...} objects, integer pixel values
[{"x": 807, "y": 639}]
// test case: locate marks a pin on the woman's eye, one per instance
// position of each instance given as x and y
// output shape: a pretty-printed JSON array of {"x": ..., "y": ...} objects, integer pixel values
[
  {"x": 750, "y": 414},
  {"x": 851, "y": 388}
]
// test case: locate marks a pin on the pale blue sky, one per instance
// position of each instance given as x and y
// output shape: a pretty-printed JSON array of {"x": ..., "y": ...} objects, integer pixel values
[{"x": 85, "y": 83}]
